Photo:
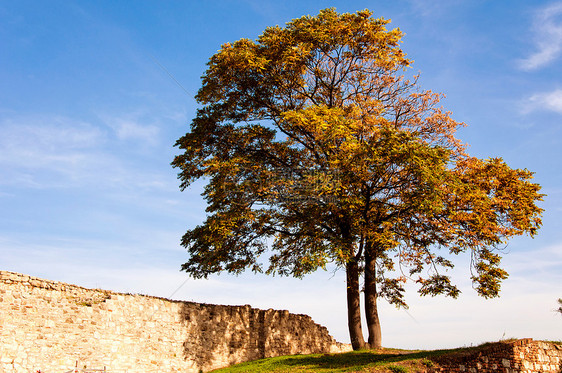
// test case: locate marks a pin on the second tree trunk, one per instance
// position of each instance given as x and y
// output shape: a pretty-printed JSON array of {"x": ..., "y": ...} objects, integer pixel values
[{"x": 371, "y": 312}]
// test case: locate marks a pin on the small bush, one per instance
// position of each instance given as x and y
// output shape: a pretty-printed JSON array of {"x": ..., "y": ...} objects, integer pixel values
[
  {"x": 398, "y": 369},
  {"x": 427, "y": 363}
]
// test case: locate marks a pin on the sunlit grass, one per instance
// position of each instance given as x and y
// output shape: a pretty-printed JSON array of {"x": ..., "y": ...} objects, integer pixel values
[{"x": 387, "y": 360}]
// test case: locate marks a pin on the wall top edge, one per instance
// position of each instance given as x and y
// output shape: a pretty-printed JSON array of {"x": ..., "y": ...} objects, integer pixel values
[{"x": 9, "y": 277}]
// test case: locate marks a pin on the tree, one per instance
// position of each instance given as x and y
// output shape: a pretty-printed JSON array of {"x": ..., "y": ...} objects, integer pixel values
[
  {"x": 560, "y": 303},
  {"x": 312, "y": 138}
]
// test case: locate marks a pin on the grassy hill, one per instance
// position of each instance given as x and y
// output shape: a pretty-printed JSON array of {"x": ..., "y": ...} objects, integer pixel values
[{"x": 386, "y": 360}]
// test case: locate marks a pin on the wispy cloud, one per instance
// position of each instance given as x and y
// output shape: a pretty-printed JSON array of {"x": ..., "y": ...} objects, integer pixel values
[
  {"x": 55, "y": 151},
  {"x": 131, "y": 128},
  {"x": 37, "y": 145},
  {"x": 550, "y": 101},
  {"x": 548, "y": 35},
  {"x": 49, "y": 133}
]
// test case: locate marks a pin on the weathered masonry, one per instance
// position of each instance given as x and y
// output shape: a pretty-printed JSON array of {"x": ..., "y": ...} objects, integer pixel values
[
  {"x": 518, "y": 356},
  {"x": 52, "y": 326}
]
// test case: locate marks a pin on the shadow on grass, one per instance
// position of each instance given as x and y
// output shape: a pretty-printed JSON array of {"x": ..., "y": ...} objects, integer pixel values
[
  {"x": 372, "y": 361},
  {"x": 345, "y": 362},
  {"x": 349, "y": 360}
]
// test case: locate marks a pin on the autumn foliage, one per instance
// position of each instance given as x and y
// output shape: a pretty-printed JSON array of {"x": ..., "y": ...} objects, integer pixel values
[{"x": 312, "y": 139}]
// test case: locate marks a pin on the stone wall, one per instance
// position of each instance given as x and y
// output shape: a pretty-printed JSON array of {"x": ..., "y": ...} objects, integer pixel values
[
  {"x": 520, "y": 356},
  {"x": 54, "y": 327}
]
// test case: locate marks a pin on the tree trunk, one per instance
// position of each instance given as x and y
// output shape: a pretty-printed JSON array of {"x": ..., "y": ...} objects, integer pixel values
[
  {"x": 354, "y": 306},
  {"x": 371, "y": 312}
]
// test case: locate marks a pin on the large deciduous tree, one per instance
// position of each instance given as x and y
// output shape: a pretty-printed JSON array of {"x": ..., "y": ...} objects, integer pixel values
[{"x": 317, "y": 149}]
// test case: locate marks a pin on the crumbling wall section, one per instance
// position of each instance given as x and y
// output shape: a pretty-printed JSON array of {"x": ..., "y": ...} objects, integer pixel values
[{"x": 519, "y": 356}]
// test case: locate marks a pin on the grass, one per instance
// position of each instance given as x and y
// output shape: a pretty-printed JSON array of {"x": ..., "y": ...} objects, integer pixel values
[{"x": 386, "y": 360}]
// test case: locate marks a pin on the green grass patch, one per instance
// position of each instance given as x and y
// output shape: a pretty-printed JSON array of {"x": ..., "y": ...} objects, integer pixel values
[{"x": 387, "y": 360}]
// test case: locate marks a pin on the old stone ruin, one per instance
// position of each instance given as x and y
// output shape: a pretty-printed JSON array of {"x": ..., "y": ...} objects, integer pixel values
[
  {"x": 512, "y": 356},
  {"x": 54, "y": 327}
]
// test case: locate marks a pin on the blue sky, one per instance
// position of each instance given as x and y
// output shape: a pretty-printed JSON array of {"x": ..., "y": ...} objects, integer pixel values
[{"x": 93, "y": 96}]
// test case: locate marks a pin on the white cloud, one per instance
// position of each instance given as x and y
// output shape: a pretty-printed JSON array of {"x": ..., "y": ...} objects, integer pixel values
[
  {"x": 551, "y": 101},
  {"x": 130, "y": 128},
  {"x": 42, "y": 151},
  {"x": 58, "y": 146},
  {"x": 541, "y": 260},
  {"x": 548, "y": 33},
  {"x": 48, "y": 134}
]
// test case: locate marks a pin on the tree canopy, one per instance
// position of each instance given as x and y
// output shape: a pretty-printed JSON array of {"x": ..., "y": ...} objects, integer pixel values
[{"x": 318, "y": 149}]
